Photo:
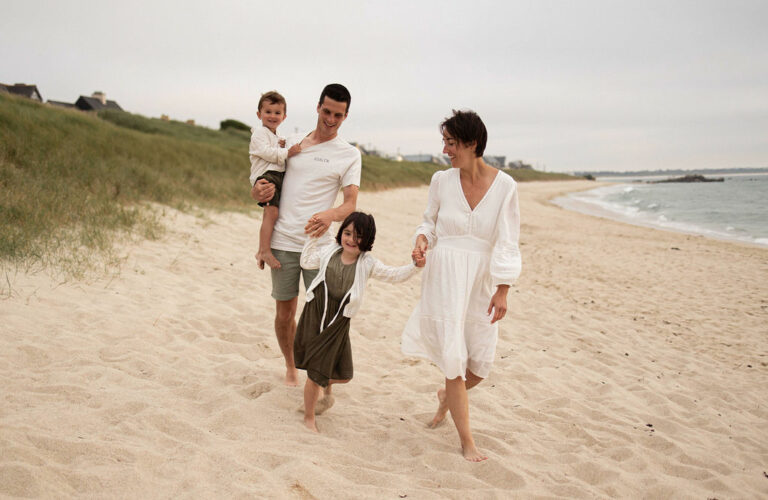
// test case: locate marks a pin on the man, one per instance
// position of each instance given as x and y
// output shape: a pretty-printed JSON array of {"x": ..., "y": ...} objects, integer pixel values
[{"x": 312, "y": 180}]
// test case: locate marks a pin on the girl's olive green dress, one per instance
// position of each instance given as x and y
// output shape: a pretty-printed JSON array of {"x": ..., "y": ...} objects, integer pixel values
[{"x": 326, "y": 353}]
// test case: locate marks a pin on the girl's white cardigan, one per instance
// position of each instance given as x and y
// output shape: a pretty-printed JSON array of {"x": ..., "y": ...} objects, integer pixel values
[{"x": 316, "y": 255}]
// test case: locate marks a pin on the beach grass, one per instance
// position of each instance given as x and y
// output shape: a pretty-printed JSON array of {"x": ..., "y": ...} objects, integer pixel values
[{"x": 74, "y": 182}]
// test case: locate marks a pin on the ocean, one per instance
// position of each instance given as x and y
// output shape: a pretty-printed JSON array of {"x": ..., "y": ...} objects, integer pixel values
[{"x": 736, "y": 209}]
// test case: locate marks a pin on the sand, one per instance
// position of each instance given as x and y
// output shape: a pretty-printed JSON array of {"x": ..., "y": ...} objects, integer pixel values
[{"x": 632, "y": 364}]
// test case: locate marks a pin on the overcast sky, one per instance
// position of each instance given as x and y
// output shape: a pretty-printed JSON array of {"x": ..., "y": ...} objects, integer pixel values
[{"x": 589, "y": 85}]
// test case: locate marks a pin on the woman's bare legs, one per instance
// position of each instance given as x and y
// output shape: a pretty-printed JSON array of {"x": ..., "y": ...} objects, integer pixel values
[
  {"x": 458, "y": 405},
  {"x": 442, "y": 407}
]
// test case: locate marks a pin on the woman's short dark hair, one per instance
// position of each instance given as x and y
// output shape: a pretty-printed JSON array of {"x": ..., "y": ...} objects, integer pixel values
[
  {"x": 337, "y": 92},
  {"x": 466, "y": 127},
  {"x": 365, "y": 229}
]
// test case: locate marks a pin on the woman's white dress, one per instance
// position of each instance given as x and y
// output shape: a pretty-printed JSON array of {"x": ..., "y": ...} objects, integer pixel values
[{"x": 471, "y": 252}]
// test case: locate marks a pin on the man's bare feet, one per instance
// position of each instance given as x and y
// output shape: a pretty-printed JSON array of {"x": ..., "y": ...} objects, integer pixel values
[
  {"x": 309, "y": 422},
  {"x": 291, "y": 377},
  {"x": 442, "y": 410},
  {"x": 472, "y": 454},
  {"x": 266, "y": 257}
]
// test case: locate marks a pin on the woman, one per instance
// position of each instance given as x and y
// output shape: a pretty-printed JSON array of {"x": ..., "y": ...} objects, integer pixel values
[{"x": 470, "y": 228}]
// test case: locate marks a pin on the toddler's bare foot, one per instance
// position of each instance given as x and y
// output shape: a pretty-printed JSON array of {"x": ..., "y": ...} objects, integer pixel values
[
  {"x": 442, "y": 410},
  {"x": 324, "y": 404},
  {"x": 291, "y": 377},
  {"x": 266, "y": 256},
  {"x": 472, "y": 454},
  {"x": 309, "y": 422}
]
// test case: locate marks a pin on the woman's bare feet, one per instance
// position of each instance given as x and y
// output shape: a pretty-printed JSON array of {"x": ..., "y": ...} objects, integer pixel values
[
  {"x": 472, "y": 454},
  {"x": 266, "y": 256},
  {"x": 442, "y": 410}
]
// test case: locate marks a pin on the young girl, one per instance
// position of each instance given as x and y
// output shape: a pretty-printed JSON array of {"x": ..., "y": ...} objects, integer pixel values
[{"x": 321, "y": 346}]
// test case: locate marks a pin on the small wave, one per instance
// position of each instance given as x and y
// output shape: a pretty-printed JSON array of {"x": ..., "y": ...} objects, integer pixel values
[
  {"x": 761, "y": 241},
  {"x": 730, "y": 228},
  {"x": 662, "y": 218},
  {"x": 629, "y": 189},
  {"x": 652, "y": 206}
]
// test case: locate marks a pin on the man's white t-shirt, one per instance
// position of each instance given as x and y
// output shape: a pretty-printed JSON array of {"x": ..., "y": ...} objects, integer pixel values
[{"x": 312, "y": 180}]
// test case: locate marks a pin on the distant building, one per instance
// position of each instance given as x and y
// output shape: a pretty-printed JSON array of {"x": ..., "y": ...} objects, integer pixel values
[
  {"x": 519, "y": 164},
  {"x": 190, "y": 122},
  {"x": 96, "y": 102},
  {"x": 60, "y": 104},
  {"x": 495, "y": 161},
  {"x": 23, "y": 90},
  {"x": 419, "y": 158}
]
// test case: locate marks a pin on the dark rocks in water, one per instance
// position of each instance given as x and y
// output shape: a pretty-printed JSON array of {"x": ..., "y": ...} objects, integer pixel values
[{"x": 691, "y": 178}]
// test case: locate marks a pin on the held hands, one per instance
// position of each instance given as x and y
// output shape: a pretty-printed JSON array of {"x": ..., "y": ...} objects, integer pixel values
[
  {"x": 318, "y": 223},
  {"x": 419, "y": 253},
  {"x": 263, "y": 191},
  {"x": 498, "y": 303}
]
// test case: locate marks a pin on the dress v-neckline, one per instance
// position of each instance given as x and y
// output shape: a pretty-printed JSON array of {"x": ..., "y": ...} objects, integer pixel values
[{"x": 485, "y": 195}]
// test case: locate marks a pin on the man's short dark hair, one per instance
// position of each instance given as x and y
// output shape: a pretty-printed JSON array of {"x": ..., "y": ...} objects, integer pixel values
[
  {"x": 466, "y": 127},
  {"x": 337, "y": 92},
  {"x": 365, "y": 229}
]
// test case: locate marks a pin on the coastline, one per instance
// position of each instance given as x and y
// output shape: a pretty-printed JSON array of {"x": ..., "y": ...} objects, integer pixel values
[
  {"x": 577, "y": 201},
  {"x": 632, "y": 363}
]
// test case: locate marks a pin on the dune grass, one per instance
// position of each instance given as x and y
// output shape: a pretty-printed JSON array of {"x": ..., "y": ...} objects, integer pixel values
[{"x": 73, "y": 182}]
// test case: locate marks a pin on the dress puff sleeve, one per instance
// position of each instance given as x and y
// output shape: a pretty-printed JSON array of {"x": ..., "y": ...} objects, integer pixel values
[
  {"x": 429, "y": 219},
  {"x": 314, "y": 250},
  {"x": 261, "y": 147},
  {"x": 506, "y": 263},
  {"x": 391, "y": 274}
]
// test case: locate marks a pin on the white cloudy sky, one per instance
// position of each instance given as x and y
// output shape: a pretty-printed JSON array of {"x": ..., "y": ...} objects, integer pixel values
[{"x": 588, "y": 85}]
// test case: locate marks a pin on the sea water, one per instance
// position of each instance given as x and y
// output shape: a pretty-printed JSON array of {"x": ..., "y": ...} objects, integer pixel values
[{"x": 736, "y": 209}]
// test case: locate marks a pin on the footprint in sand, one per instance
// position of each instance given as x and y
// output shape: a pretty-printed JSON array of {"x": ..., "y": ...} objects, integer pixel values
[{"x": 257, "y": 389}]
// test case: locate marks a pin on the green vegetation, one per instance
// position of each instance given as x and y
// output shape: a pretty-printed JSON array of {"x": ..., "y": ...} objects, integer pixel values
[
  {"x": 72, "y": 182},
  {"x": 379, "y": 173},
  {"x": 529, "y": 175},
  {"x": 230, "y": 123}
]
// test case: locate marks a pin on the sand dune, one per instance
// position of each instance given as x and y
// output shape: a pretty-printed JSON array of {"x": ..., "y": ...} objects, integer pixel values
[{"x": 632, "y": 364}]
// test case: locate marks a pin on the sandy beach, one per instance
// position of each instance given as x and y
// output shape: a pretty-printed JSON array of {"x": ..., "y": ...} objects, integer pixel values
[{"x": 633, "y": 363}]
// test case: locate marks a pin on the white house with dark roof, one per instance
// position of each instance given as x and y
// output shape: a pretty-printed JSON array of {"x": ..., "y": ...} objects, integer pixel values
[
  {"x": 22, "y": 89},
  {"x": 96, "y": 102}
]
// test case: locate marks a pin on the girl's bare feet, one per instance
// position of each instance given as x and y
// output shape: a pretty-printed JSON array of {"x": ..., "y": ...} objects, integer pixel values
[
  {"x": 309, "y": 422},
  {"x": 442, "y": 410},
  {"x": 266, "y": 256}
]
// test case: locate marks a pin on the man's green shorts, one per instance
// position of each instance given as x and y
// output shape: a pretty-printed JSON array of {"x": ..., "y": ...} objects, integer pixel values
[
  {"x": 275, "y": 178},
  {"x": 285, "y": 281}
]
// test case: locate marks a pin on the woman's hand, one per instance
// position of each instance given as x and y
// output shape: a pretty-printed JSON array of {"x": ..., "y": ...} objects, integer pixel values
[
  {"x": 419, "y": 253},
  {"x": 498, "y": 303}
]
